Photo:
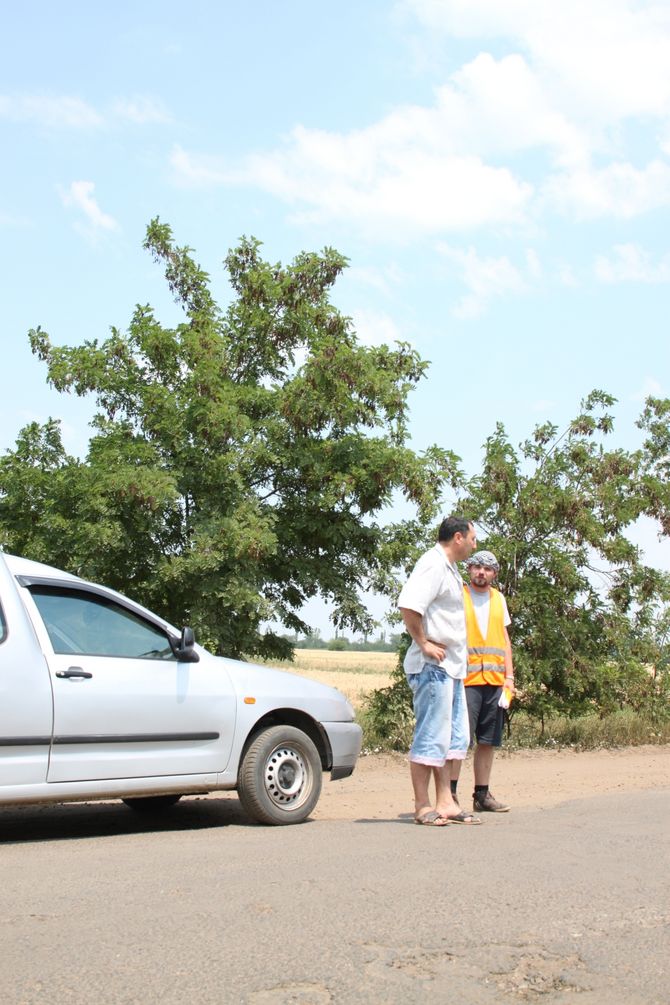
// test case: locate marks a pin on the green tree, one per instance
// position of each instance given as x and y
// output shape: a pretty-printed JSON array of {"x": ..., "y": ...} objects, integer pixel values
[
  {"x": 241, "y": 462},
  {"x": 589, "y": 618},
  {"x": 107, "y": 519},
  {"x": 557, "y": 513}
]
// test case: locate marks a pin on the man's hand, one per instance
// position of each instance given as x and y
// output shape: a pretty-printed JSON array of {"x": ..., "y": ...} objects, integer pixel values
[{"x": 433, "y": 651}]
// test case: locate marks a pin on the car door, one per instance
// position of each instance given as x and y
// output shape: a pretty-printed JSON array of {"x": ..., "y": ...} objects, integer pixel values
[
  {"x": 124, "y": 705},
  {"x": 26, "y": 714}
]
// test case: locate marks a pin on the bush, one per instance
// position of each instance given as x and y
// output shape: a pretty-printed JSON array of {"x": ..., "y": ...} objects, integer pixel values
[
  {"x": 387, "y": 716},
  {"x": 338, "y": 645},
  {"x": 632, "y": 708}
]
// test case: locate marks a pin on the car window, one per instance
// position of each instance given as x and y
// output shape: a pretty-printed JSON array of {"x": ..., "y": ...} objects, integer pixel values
[
  {"x": 3, "y": 625},
  {"x": 87, "y": 624}
]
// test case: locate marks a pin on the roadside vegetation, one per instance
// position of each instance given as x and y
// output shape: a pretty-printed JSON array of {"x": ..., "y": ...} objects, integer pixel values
[
  {"x": 638, "y": 714},
  {"x": 245, "y": 462},
  {"x": 378, "y": 692}
]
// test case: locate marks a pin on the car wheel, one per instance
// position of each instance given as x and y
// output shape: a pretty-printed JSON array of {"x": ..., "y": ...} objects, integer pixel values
[
  {"x": 280, "y": 777},
  {"x": 151, "y": 804}
]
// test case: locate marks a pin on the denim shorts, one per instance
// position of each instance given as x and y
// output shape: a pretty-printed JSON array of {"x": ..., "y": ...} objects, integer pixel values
[{"x": 441, "y": 732}]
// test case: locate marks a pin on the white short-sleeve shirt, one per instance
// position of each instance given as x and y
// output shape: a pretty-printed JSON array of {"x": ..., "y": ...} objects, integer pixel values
[{"x": 435, "y": 591}]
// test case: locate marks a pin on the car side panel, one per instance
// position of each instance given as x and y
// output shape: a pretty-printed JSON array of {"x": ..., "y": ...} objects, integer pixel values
[{"x": 106, "y": 789}]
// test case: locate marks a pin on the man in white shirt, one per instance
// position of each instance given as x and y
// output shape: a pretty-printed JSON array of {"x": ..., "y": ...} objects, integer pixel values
[
  {"x": 431, "y": 603},
  {"x": 490, "y": 669}
]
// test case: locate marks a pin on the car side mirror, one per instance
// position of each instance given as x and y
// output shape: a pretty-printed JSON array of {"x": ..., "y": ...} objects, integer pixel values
[{"x": 184, "y": 650}]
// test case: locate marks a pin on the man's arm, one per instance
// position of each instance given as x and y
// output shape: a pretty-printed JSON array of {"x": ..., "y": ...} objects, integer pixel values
[
  {"x": 509, "y": 665},
  {"x": 433, "y": 651}
]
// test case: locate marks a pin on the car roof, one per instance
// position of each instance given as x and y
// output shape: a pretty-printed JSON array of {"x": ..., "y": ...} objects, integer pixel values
[
  {"x": 27, "y": 567},
  {"x": 39, "y": 571}
]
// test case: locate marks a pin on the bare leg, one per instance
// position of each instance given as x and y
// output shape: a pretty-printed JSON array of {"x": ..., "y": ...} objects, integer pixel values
[
  {"x": 455, "y": 775},
  {"x": 420, "y": 775},
  {"x": 483, "y": 762},
  {"x": 444, "y": 801}
]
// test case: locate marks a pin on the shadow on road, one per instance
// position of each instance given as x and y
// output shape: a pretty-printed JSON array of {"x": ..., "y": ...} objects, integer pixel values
[{"x": 68, "y": 821}]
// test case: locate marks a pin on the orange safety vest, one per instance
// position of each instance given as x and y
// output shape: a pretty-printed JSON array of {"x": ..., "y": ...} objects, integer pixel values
[{"x": 486, "y": 656}]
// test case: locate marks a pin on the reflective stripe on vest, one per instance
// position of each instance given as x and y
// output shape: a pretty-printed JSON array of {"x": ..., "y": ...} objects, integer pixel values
[{"x": 486, "y": 656}]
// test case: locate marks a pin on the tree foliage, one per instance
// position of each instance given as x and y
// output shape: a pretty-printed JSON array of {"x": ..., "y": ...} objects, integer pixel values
[
  {"x": 558, "y": 512},
  {"x": 241, "y": 462},
  {"x": 590, "y": 620}
]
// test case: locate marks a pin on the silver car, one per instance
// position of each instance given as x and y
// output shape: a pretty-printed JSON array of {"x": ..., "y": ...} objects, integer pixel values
[{"x": 101, "y": 698}]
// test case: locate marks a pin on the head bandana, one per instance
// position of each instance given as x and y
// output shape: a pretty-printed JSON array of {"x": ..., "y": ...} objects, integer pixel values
[{"x": 485, "y": 558}]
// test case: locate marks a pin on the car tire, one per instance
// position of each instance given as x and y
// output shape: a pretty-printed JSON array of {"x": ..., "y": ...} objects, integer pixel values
[
  {"x": 279, "y": 780},
  {"x": 151, "y": 804}
]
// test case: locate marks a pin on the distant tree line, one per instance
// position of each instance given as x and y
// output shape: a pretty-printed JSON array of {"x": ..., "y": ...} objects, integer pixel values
[{"x": 340, "y": 643}]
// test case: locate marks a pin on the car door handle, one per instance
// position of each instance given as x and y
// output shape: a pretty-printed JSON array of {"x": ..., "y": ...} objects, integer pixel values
[{"x": 73, "y": 672}]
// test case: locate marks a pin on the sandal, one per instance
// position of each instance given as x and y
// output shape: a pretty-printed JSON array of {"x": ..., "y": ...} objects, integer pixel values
[
  {"x": 464, "y": 817},
  {"x": 432, "y": 819}
]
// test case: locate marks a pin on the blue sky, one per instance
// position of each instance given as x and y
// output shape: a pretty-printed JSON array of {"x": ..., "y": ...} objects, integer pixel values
[{"x": 497, "y": 173}]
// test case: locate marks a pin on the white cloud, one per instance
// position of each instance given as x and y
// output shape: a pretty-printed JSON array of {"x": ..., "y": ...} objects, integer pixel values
[
  {"x": 54, "y": 112},
  {"x": 630, "y": 263},
  {"x": 576, "y": 74},
  {"x": 664, "y": 139},
  {"x": 543, "y": 405},
  {"x": 80, "y": 196},
  {"x": 650, "y": 389},
  {"x": 538, "y": 128},
  {"x": 604, "y": 58},
  {"x": 619, "y": 190},
  {"x": 485, "y": 278},
  {"x": 388, "y": 180},
  {"x": 202, "y": 171},
  {"x": 566, "y": 275},
  {"x": 495, "y": 106},
  {"x": 386, "y": 280},
  {"x": 66, "y": 112},
  {"x": 375, "y": 329},
  {"x": 142, "y": 110},
  {"x": 533, "y": 264}
]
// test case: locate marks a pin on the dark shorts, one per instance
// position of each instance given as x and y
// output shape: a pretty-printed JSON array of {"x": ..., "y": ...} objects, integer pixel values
[{"x": 485, "y": 715}]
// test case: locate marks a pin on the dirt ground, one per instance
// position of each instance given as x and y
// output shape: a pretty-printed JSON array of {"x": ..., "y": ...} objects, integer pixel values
[{"x": 380, "y": 788}]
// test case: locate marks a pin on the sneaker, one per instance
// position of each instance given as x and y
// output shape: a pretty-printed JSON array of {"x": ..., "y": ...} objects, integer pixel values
[{"x": 488, "y": 804}]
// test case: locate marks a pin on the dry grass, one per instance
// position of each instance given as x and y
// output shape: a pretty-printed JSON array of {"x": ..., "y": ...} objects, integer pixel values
[
  {"x": 354, "y": 674},
  {"x": 345, "y": 662}
]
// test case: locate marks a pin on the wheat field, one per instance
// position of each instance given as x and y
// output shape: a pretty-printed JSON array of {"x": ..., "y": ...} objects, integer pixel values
[{"x": 354, "y": 674}]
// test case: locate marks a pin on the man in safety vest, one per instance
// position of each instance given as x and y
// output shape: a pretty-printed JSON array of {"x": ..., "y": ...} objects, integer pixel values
[{"x": 490, "y": 668}]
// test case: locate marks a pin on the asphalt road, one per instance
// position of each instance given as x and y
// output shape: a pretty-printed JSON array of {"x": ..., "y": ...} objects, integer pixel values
[{"x": 569, "y": 904}]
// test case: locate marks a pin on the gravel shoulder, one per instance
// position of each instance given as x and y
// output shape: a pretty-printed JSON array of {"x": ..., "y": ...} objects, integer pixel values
[{"x": 380, "y": 787}]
